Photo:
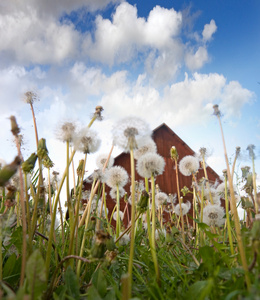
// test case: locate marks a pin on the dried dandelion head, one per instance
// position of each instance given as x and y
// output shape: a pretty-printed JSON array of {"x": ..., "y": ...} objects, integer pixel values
[
  {"x": 30, "y": 97},
  {"x": 251, "y": 149},
  {"x": 150, "y": 164},
  {"x": 98, "y": 111},
  {"x": 189, "y": 165},
  {"x": 86, "y": 141},
  {"x": 216, "y": 110},
  {"x": 128, "y": 131}
]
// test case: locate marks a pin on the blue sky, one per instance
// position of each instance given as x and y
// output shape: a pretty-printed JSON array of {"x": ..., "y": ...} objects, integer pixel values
[{"x": 164, "y": 61}]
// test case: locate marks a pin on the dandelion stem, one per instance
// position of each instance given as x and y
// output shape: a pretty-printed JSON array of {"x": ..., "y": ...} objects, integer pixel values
[
  {"x": 152, "y": 243},
  {"x": 228, "y": 219},
  {"x": 49, "y": 247},
  {"x": 179, "y": 198},
  {"x": 234, "y": 211},
  {"x": 132, "y": 236}
]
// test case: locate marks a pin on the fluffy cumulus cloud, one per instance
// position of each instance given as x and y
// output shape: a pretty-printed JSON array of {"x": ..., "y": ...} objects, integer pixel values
[
  {"x": 38, "y": 33},
  {"x": 209, "y": 30}
]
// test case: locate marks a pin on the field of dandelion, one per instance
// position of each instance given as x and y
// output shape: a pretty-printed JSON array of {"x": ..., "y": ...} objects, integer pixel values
[{"x": 76, "y": 251}]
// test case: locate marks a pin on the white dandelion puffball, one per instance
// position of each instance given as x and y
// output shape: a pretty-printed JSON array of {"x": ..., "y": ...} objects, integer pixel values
[
  {"x": 116, "y": 176},
  {"x": 121, "y": 215},
  {"x": 213, "y": 215},
  {"x": 101, "y": 160},
  {"x": 124, "y": 240},
  {"x": 113, "y": 192},
  {"x": 161, "y": 199},
  {"x": 189, "y": 165},
  {"x": 126, "y": 132},
  {"x": 86, "y": 141},
  {"x": 185, "y": 207},
  {"x": 66, "y": 132},
  {"x": 214, "y": 193},
  {"x": 145, "y": 145},
  {"x": 150, "y": 164}
]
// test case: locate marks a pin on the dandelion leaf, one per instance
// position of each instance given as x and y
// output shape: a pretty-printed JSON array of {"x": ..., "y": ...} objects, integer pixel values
[
  {"x": 12, "y": 269},
  {"x": 35, "y": 274},
  {"x": 72, "y": 283},
  {"x": 100, "y": 283}
]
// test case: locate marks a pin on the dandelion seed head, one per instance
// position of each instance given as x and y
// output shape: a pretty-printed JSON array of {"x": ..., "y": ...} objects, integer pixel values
[
  {"x": 150, "y": 164},
  {"x": 184, "y": 206},
  {"x": 87, "y": 141},
  {"x": 113, "y": 192},
  {"x": 161, "y": 198},
  {"x": 128, "y": 131},
  {"x": 189, "y": 165},
  {"x": 101, "y": 160},
  {"x": 116, "y": 176},
  {"x": 30, "y": 97},
  {"x": 66, "y": 132},
  {"x": 121, "y": 215},
  {"x": 145, "y": 145},
  {"x": 124, "y": 240},
  {"x": 251, "y": 149},
  {"x": 213, "y": 215},
  {"x": 98, "y": 175}
]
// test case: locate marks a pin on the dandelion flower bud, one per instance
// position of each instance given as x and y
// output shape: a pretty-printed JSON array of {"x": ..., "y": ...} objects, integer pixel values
[
  {"x": 86, "y": 141},
  {"x": 174, "y": 153},
  {"x": 150, "y": 164},
  {"x": 14, "y": 126},
  {"x": 116, "y": 176},
  {"x": 245, "y": 170},
  {"x": 42, "y": 150},
  {"x": 189, "y": 165},
  {"x": 29, "y": 164},
  {"x": 213, "y": 215}
]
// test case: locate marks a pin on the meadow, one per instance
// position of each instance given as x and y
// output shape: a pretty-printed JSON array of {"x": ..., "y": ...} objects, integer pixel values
[{"x": 54, "y": 248}]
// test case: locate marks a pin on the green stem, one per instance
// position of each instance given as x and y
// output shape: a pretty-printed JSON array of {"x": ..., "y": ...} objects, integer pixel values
[
  {"x": 152, "y": 242},
  {"x": 179, "y": 198},
  {"x": 235, "y": 213},
  {"x": 228, "y": 219},
  {"x": 118, "y": 225},
  {"x": 75, "y": 225},
  {"x": 132, "y": 236},
  {"x": 49, "y": 247}
]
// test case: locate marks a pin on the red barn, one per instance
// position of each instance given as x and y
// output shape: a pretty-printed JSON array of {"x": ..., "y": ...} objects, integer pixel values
[{"x": 164, "y": 138}]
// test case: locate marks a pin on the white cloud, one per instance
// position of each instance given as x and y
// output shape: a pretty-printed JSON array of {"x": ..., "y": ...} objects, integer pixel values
[
  {"x": 234, "y": 98},
  {"x": 195, "y": 61},
  {"x": 209, "y": 30},
  {"x": 31, "y": 39}
]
